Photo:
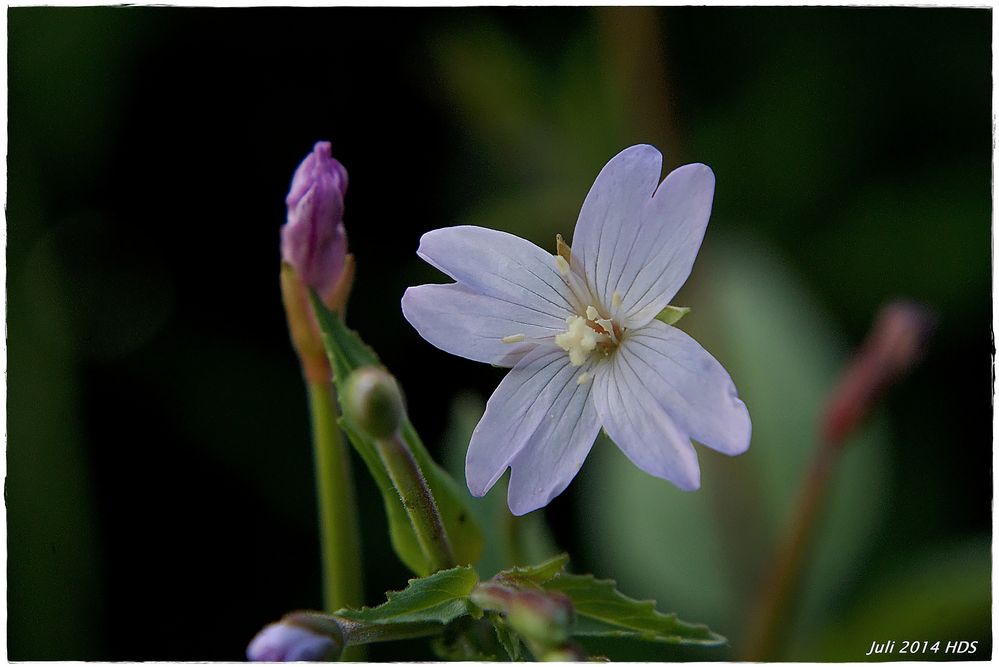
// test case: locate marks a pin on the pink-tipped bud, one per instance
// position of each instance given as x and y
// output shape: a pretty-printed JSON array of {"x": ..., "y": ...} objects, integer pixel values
[
  {"x": 314, "y": 241},
  {"x": 893, "y": 347},
  {"x": 542, "y": 616}
]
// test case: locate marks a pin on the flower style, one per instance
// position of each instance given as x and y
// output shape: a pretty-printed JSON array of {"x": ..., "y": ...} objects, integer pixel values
[{"x": 579, "y": 331}]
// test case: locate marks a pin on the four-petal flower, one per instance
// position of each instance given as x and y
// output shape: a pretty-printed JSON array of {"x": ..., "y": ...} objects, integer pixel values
[{"x": 579, "y": 331}]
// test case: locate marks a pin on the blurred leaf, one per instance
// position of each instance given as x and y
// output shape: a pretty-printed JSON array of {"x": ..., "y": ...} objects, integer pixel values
[
  {"x": 533, "y": 215},
  {"x": 441, "y": 598},
  {"x": 602, "y": 611},
  {"x": 348, "y": 352},
  {"x": 940, "y": 595},
  {"x": 495, "y": 88},
  {"x": 546, "y": 126},
  {"x": 706, "y": 551}
]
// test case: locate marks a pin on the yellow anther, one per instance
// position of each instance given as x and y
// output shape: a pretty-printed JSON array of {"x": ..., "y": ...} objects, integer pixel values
[
  {"x": 616, "y": 300},
  {"x": 513, "y": 338},
  {"x": 583, "y": 378},
  {"x": 562, "y": 248},
  {"x": 591, "y": 313}
]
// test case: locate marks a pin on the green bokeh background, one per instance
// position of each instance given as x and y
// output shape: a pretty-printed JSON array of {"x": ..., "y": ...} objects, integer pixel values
[{"x": 159, "y": 484}]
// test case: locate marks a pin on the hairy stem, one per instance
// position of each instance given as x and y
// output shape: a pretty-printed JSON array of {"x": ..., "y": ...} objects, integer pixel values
[{"x": 419, "y": 502}]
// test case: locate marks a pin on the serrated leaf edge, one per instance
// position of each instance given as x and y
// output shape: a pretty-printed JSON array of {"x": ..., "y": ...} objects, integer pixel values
[
  {"x": 647, "y": 604},
  {"x": 391, "y": 595}
]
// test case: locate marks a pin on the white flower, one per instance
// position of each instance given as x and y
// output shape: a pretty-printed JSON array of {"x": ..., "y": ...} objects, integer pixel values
[{"x": 579, "y": 331}]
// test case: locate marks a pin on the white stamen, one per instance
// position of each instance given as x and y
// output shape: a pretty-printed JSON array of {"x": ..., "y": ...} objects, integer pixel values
[
  {"x": 583, "y": 335},
  {"x": 578, "y": 340},
  {"x": 563, "y": 266},
  {"x": 583, "y": 378},
  {"x": 616, "y": 300},
  {"x": 513, "y": 338}
]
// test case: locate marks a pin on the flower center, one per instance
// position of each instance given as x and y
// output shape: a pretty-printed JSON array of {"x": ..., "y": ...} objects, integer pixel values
[{"x": 585, "y": 335}]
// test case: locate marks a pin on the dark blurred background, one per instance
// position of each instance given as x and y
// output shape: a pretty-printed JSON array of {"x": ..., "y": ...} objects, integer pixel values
[{"x": 159, "y": 485}]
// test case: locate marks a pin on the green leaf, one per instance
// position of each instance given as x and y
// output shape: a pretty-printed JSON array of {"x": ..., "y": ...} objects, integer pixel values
[
  {"x": 537, "y": 574},
  {"x": 672, "y": 314},
  {"x": 347, "y": 352},
  {"x": 603, "y": 611},
  {"x": 508, "y": 639},
  {"x": 441, "y": 598}
]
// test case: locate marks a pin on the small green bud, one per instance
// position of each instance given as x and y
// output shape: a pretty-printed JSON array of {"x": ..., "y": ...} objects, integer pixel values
[
  {"x": 373, "y": 400},
  {"x": 544, "y": 617}
]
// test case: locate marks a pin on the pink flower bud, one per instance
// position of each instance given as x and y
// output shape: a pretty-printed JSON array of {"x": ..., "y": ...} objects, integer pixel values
[
  {"x": 314, "y": 241},
  {"x": 893, "y": 347}
]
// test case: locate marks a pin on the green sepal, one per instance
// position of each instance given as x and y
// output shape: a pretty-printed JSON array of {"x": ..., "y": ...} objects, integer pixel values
[
  {"x": 347, "y": 352},
  {"x": 603, "y": 611},
  {"x": 440, "y": 598},
  {"x": 535, "y": 574},
  {"x": 672, "y": 314}
]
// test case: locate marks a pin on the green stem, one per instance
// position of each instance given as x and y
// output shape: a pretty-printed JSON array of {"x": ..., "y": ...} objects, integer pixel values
[
  {"x": 419, "y": 502},
  {"x": 341, "y": 549}
]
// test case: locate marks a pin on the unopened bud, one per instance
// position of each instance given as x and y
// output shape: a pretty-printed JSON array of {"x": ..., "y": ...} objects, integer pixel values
[
  {"x": 288, "y": 641},
  {"x": 314, "y": 241},
  {"x": 893, "y": 347},
  {"x": 544, "y": 617},
  {"x": 373, "y": 400}
]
